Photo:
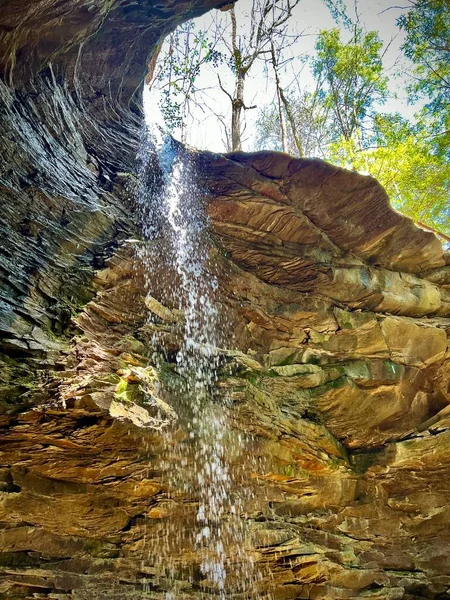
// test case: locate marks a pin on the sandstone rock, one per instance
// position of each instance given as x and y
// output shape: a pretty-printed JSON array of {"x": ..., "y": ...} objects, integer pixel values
[
  {"x": 334, "y": 384},
  {"x": 412, "y": 344}
]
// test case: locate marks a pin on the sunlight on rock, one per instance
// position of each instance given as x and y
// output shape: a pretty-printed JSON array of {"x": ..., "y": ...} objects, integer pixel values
[{"x": 225, "y": 375}]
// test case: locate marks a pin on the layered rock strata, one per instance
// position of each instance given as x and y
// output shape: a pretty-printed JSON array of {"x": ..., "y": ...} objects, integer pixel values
[{"x": 336, "y": 373}]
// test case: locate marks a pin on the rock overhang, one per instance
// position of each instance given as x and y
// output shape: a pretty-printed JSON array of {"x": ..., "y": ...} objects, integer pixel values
[{"x": 339, "y": 306}]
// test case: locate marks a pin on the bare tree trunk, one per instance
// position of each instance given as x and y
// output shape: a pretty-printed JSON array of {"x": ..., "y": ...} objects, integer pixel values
[
  {"x": 292, "y": 123},
  {"x": 280, "y": 107},
  {"x": 284, "y": 144},
  {"x": 246, "y": 52},
  {"x": 183, "y": 128},
  {"x": 236, "y": 113},
  {"x": 237, "y": 102},
  {"x": 287, "y": 107}
]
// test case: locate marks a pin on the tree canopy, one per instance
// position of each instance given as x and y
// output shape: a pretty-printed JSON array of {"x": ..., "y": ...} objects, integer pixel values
[
  {"x": 350, "y": 78},
  {"x": 342, "y": 112},
  {"x": 416, "y": 178},
  {"x": 427, "y": 45}
]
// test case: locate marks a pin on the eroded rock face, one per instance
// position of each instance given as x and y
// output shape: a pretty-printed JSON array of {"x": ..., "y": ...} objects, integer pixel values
[
  {"x": 336, "y": 374},
  {"x": 70, "y": 77}
]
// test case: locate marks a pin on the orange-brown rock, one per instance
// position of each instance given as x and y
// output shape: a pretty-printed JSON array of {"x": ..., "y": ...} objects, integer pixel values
[{"x": 336, "y": 372}]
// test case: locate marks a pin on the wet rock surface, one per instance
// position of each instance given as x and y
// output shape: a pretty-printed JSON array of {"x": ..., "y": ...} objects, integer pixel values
[{"x": 336, "y": 373}]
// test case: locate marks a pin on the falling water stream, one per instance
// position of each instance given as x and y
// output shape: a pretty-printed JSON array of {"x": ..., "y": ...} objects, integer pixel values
[{"x": 171, "y": 208}]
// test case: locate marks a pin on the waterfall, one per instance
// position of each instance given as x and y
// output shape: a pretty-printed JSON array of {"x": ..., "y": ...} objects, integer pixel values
[{"x": 171, "y": 210}]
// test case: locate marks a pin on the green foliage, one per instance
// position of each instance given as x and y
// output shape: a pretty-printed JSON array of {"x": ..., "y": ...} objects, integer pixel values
[
  {"x": 350, "y": 78},
  {"x": 427, "y": 45},
  {"x": 339, "y": 120},
  {"x": 179, "y": 68},
  {"x": 338, "y": 11},
  {"x": 416, "y": 178},
  {"x": 350, "y": 82},
  {"x": 340, "y": 123}
]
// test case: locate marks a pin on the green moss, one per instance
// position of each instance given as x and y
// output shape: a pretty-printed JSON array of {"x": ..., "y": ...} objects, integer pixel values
[
  {"x": 352, "y": 319},
  {"x": 312, "y": 360},
  {"x": 251, "y": 377},
  {"x": 289, "y": 360},
  {"x": 20, "y": 382},
  {"x": 132, "y": 345},
  {"x": 357, "y": 369},
  {"x": 393, "y": 370},
  {"x": 121, "y": 387},
  {"x": 289, "y": 470},
  {"x": 318, "y": 338},
  {"x": 330, "y": 385},
  {"x": 128, "y": 393}
]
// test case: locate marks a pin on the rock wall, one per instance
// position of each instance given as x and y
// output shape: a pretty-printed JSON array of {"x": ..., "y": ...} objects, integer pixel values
[
  {"x": 336, "y": 373},
  {"x": 70, "y": 75}
]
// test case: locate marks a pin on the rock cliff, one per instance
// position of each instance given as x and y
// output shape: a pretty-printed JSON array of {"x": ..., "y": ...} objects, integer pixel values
[{"x": 336, "y": 371}]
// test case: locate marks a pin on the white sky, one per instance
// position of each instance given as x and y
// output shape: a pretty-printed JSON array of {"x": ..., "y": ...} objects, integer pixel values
[{"x": 310, "y": 16}]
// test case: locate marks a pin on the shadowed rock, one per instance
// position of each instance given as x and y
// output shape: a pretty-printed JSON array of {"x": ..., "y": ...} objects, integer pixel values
[{"x": 336, "y": 375}]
